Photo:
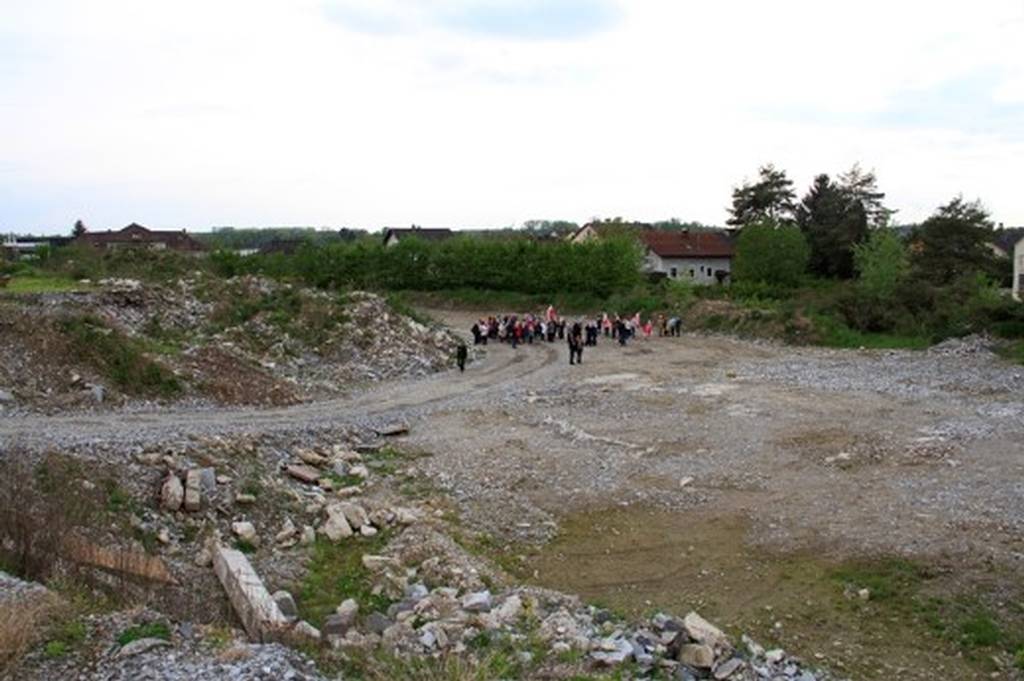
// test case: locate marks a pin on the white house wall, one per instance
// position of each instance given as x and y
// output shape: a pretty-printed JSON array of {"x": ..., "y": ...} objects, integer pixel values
[
  {"x": 1018, "y": 270},
  {"x": 696, "y": 270}
]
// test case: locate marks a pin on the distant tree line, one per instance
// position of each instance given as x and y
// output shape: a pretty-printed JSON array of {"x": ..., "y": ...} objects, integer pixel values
[{"x": 526, "y": 266}]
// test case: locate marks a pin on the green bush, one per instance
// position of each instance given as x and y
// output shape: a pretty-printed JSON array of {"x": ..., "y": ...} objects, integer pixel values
[{"x": 771, "y": 253}]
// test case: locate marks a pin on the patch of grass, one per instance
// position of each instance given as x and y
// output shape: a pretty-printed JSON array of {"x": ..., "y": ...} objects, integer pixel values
[
  {"x": 66, "y": 637},
  {"x": 245, "y": 546},
  {"x": 1013, "y": 352},
  {"x": 893, "y": 579},
  {"x": 119, "y": 358},
  {"x": 980, "y": 631},
  {"x": 150, "y": 630},
  {"x": 55, "y": 649},
  {"x": 43, "y": 283},
  {"x": 335, "y": 573},
  {"x": 835, "y": 334}
]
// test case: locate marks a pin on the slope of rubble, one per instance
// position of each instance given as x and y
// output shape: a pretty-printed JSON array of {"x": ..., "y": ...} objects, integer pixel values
[
  {"x": 299, "y": 557},
  {"x": 204, "y": 340}
]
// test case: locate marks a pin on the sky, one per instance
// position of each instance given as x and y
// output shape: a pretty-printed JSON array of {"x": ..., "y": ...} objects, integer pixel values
[{"x": 486, "y": 113}]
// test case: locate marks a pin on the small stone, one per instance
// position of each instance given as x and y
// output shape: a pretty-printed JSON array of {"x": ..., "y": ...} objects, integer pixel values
[
  {"x": 223, "y": 479},
  {"x": 244, "y": 499},
  {"x": 286, "y": 603},
  {"x": 348, "y": 611},
  {"x": 697, "y": 655},
  {"x": 193, "y": 490},
  {"x": 417, "y": 592},
  {"x": 336, "y": 528},
  {"x": 775, "y": 656},
  {"x": 335, "y": 626},
  {"x": 6, "y": 396},
  {"x": 141, "y": 645},
  {"x": 864, "y": 594},
  {"x": 359, "y": 471},
  {"x": 310, "y": 457},
  {"x": 163, "y": 536},
  {"x": 479, "y": 601},
  {"x": 702, "y": 631},
  {"x": 308, "y": 535},
  {"x": 172, "y": 494},
  {"x": 354, "y": 514},
  {"x": 368, "y": 531},
  {"x": 208, "y": 481},
  {"x": 374, "y": 563},
  {"x": 303, "y": 473},
  {"x": 287, "y": 532},
  {"x": 728, "y": 668},
  {"x": 203, "y": 558},
  {"x": 245, "y": 531},
  {"x": 377, "y": 623},
  {"x": 393, "y": 429}
]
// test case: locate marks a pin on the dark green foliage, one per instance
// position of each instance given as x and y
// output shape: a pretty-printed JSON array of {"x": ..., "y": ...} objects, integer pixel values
[
  {"x": 770, "y": 198},
  {"x": 770, "y": 253},
  {"x": 833, "y": 224},
  {"x": 117, "y": 357},
  {"x": 525, "y": 266},
  {"x": 953, "y": 243}
]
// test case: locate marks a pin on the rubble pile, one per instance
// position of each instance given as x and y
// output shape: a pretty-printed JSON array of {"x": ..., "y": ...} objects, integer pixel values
[{"x": 247, "y": 340}]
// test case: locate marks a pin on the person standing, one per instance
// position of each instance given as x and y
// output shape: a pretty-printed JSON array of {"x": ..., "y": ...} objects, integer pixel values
[{"x": 461, "y": 353}]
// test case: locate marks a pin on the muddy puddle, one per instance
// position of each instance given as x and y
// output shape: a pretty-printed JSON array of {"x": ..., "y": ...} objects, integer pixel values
[{"x": 637, "y": 561}]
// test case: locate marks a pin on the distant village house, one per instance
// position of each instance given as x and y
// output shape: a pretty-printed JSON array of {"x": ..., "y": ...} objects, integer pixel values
[
  {"x": 701, "y": 257},
  {"x": 392, "y": 235},
  {"x": 137, "y": 236},
  {"x": 1018, "y": 270}
]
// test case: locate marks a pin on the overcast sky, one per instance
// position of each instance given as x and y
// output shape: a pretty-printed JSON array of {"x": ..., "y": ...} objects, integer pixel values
[{"x": 470, "y": 113}]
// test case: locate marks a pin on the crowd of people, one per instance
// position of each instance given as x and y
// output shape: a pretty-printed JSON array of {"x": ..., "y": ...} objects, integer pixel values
[{"x": 579, "y": 333}]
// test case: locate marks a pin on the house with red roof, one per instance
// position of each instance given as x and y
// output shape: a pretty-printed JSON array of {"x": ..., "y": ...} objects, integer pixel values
[{"x": 698, "y": 257}]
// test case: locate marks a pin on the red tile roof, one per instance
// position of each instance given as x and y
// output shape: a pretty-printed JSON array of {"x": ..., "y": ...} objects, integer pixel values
[{"x": 673, "y": 244}]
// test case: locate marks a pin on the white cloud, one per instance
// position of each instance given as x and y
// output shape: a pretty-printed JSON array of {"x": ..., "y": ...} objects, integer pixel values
[{"x": 260, "y": 112}]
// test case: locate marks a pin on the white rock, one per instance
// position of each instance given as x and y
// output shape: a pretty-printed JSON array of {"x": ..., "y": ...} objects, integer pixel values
[
  {"x": 172, "y": 494},
  {"x": 244, "y": 530}
]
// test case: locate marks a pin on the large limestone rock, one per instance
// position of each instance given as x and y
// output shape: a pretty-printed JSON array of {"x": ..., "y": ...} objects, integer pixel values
[{"x": 172, "y": 494}]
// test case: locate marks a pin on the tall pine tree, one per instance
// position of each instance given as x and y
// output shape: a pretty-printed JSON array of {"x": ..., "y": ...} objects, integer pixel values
[{"x": 771, "y": 199}]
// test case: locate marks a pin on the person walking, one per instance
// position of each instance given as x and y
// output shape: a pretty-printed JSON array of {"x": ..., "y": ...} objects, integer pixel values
[
  {"x": 461, "y": 353},
  {"x": 575, "y": 341}
]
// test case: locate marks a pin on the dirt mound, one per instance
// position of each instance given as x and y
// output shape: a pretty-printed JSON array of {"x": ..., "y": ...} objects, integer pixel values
[{"x": 241, "y": 341}]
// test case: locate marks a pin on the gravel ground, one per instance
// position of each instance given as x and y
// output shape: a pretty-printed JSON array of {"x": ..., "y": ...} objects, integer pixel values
[{"x": 905, "y": 452}]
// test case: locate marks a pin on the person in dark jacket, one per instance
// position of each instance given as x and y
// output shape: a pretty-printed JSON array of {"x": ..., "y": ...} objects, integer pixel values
[{"x": 461, "y": 353}]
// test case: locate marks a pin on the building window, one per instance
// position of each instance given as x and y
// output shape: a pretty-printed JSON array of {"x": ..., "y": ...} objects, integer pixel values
[
  {"x": 673, "y": 273},
  {"x": 691, "y": 273}
]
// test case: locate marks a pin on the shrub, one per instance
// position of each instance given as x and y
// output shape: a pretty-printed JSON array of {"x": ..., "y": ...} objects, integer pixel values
[
  {"x": 770, "y": 253},
  {"x": 881, "y": 263},
  {"x": 119, "y": 358}
]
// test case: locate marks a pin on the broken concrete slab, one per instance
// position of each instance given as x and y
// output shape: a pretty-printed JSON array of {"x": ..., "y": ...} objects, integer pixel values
[{"x": 256, "y": 608}]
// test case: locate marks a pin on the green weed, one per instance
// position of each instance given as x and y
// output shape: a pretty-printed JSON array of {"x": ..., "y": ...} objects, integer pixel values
[
  {"x": 150, "y": 630},
  {"x": 335, "y": 573}
]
